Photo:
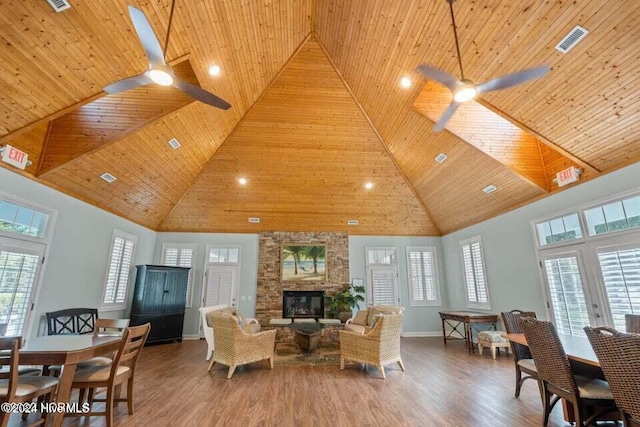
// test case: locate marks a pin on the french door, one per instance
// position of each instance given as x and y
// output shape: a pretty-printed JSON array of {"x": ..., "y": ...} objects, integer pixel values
[
  {"x": 221, "y": 285},
  {"x": 20, "y": 264}
]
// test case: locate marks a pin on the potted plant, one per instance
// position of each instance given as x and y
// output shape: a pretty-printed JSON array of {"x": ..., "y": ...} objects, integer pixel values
[{"x": 341, "y": 304}]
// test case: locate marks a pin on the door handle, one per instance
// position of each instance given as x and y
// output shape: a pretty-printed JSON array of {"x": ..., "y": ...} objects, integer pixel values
[{"x": 166, "y": 292}]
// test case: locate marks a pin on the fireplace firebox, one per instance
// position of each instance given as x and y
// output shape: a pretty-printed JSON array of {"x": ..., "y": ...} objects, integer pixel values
[{"x": 303, "y": 304}]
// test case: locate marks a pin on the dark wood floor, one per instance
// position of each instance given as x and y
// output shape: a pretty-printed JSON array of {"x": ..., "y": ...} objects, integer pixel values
[{"x": 441, "y": 387}]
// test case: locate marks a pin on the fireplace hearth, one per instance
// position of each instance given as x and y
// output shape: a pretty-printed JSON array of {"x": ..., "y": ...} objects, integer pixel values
[{"x": 302, "y": 304}]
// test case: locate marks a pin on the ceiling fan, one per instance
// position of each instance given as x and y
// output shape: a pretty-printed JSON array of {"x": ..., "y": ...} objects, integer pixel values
[
  {"x": 464, "y": 89},
  {"x": 159, "y": 71}
]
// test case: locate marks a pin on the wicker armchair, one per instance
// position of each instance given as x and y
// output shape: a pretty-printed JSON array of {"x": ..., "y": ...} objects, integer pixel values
[
  {"x": 633, "y": 323},
  {"x": 556, "y": 376},
  {"x": 521, "y": 354},
  {"x": 619, "y": 357},
  {"x": 234, "y": 347},
  {"x": 379, "y": 347}
]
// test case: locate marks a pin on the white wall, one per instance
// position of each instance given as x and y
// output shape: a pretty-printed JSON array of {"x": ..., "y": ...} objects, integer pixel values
[
  {"x": 509, "y": 248},
  {"x": 77, "y": 260},
  {"x": 248, "y": 273},
  {"x": 418, "y": 321}
]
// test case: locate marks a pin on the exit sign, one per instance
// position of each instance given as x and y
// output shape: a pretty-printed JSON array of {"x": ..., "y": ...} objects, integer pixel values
[
  {"x": 15, "y": 157},
  {"x": 567, "y": 176}
]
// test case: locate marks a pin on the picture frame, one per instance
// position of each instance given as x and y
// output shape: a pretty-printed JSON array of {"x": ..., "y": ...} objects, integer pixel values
[
  {"x": 357, "y": 282},
  {"x": 303, "y": 262}
]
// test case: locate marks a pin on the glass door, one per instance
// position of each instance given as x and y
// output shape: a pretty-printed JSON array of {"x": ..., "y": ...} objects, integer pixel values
[
  {"x": 20, "y": 264},
  {"x": 568, "y": 297}
]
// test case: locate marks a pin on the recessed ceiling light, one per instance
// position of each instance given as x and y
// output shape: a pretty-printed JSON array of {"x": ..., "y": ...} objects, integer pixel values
[
  {"x": 174, "y": 143},
  {"x": 368, "y": 185},
  {"x": 214, "y": 70},
  {"x": 405, "y": 82},
  {"x": 489, "y": 188},
  {"x": 441, "y": 157},
  {"x": 242, "y": 181},
  {"x": 108, "y": 177}
]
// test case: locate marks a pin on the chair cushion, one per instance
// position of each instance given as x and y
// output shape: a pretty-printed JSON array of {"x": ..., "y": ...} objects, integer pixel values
[
  {"x": 97, "y": 373},
  {"x": 527, "y": 364},
  {"x": 251, "y": 328},
  {"x": 28, "y": 385},
  {"x": 592, "y": 388},
  {"x": 375, "y": 312},
  {"x": 358, "y": 329},
  {"x": 361, "y": 317},
  {"x": 96, "y": 361},
  {"x": 22, "y": 370},
  {"x": 228, "y": 311},
  {"x": 492, "y": 336}
]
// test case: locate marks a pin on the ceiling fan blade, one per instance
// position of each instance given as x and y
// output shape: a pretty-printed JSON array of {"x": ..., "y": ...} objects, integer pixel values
[
  {"x": 201, "y": 95},
  {"x": 446, "y": 116},
  {"x": 128, "y": 83},
  {"x": 513, "y": 79},
  {"x": 147, "y": 37},
  {"x": 440, "y": 76}
]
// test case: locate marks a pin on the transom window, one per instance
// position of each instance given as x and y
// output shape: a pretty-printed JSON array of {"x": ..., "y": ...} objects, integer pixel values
[
  {"x": 563, "y": 229},
  {"x": 16, "y": 218},
  {"x": 473, "y": 269},
  {"x": 118, "y": 271},
  {"x": 223, "y": 254},
  {"x": 615, "y": 216},
  {"x": 180, "y": 255},
  {"x": 423, "y": 277}
]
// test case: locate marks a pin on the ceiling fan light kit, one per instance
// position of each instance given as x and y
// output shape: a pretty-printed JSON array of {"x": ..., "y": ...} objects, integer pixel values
[{"x": 465, "y": 90}]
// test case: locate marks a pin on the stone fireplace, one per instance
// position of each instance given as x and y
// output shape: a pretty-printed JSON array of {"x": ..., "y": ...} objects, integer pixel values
[{"x": 302, "y": 304}]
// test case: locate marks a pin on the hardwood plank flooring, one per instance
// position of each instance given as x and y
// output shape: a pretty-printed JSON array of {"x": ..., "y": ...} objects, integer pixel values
[{"x": 442, "y": 386}]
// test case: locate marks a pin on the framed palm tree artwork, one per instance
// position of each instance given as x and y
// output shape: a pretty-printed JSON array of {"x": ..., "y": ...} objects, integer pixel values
[{"x": 303, "y": 263}]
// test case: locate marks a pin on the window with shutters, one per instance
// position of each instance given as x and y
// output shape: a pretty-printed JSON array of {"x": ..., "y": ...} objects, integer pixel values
[
  {"x": 382, "y": 276},
  {"x": 474, "y": 273},
  {"x": 118, "y": 271},
  {"x": 424, "y": 288},
  {"x": 181, "y": 255}
]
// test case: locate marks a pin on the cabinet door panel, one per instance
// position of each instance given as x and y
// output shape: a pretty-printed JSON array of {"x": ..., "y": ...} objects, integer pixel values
[
  {"x": 175, "y": 291},
  {"x": 149, "y": 296},
  {"x": 172, "y": 326}
]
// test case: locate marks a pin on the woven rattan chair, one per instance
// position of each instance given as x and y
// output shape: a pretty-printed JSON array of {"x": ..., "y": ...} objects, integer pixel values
[
  {"x": 521, "y": 354},
  {"x": 379, "y": 347},
  {"x": 633, "y": 323},
  {"x": 556, "y": 376},
  {"x": 234, "y": 347},
  {"x": 619, "y": 357}
]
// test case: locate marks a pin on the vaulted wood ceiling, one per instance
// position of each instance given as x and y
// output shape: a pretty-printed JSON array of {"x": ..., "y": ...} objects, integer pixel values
[{"x": 317, "y": 109}]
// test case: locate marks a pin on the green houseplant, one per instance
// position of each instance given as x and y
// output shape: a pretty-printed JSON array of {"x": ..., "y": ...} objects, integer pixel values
[{"x": 341, "y": 304}]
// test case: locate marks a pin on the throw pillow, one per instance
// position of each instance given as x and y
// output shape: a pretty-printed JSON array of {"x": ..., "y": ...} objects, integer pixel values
[{"x": 361, "y": 318}]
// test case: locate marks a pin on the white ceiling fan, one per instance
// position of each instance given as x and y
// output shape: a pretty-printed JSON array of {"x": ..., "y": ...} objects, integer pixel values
[
  {"x": 464, "y": 89},
  {"x": 159, "y": 71}
]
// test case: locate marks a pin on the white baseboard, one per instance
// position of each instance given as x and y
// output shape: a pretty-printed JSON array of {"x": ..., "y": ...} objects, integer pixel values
[
  {"x": 421, "y": 334},
  {"x": 191, "y": 337}
]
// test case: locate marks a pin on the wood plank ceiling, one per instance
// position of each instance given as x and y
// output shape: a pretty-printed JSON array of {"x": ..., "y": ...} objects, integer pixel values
[{"x": 333, "y": 116}]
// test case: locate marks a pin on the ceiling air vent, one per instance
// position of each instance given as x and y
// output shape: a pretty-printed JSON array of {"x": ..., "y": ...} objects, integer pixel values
[
  {"x": 572, "y": 39},
  {"x": 174, "y": 143},
  {"x": 254, "y": 220},
  {"x": 108, "y": 177},
  {"x": 352, "y": 222},
  {"x": 59, "y": 5},
  {"x": 489, "y": 188},
  {"x": 441, "y": 157}
]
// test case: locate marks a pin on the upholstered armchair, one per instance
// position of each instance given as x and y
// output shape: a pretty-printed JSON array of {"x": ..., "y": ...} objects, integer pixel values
[
  {"x": 380, "y": 346},
  {"x": 235, "y": 347},
  {"x": 250, "y": 324}
]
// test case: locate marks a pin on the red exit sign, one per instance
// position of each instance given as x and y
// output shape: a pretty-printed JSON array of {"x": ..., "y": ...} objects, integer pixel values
[
  {"x": 15, "y": 157},
  {"x": 567, "y": 176}
]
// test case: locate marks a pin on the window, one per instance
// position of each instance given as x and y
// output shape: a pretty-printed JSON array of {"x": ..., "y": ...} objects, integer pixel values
[
  {"x": 473, "y": 269},
  {"x": 119, "y": 268},
  {"x": 563, "y": 229},
  {"x": 423, "y": 277},
  {"x": 223, "y": 255},
  {"x": 382, "y": 276},
  {"x": 20, "y": 218},
  {"x": 180, "y": 255},
  {"x": 615, "y": 216}
]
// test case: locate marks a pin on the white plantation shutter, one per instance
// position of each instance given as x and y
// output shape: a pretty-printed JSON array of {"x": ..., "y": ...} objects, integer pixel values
[
  {"x": 620, "y": 269},
  {"x": 568, "y": 302},
  {"x": 180, "y": 255},
  {"x": 423, "y": 280},
  {"x": 120, "y": 263},
  {"x": 474, "y": 273},
  {"x": 220, "y": 285},
  {"x": 383, "y": 281}
]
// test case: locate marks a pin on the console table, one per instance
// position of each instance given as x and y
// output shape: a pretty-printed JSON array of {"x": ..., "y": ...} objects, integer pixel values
[{"x": 467, "y": 319}]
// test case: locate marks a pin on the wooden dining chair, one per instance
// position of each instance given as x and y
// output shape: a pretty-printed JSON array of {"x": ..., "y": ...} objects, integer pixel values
[
  {"x": 112, "y": 377},
  {"x": 16, "y": 388},
  {"x": 557, "y": 377},
  {"x": 72, "y": 321},
  {"x": 619, "y": 357},
  {"x": 633, "y": 323},
  {"x": 521, "y": 354}
]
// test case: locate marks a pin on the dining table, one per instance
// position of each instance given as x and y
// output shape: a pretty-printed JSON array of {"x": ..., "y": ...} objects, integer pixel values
[{"x": 67, "y": 351}]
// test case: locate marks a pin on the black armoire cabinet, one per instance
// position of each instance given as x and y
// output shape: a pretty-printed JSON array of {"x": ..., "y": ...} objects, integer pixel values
[{"x": 160, "y": 298}]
